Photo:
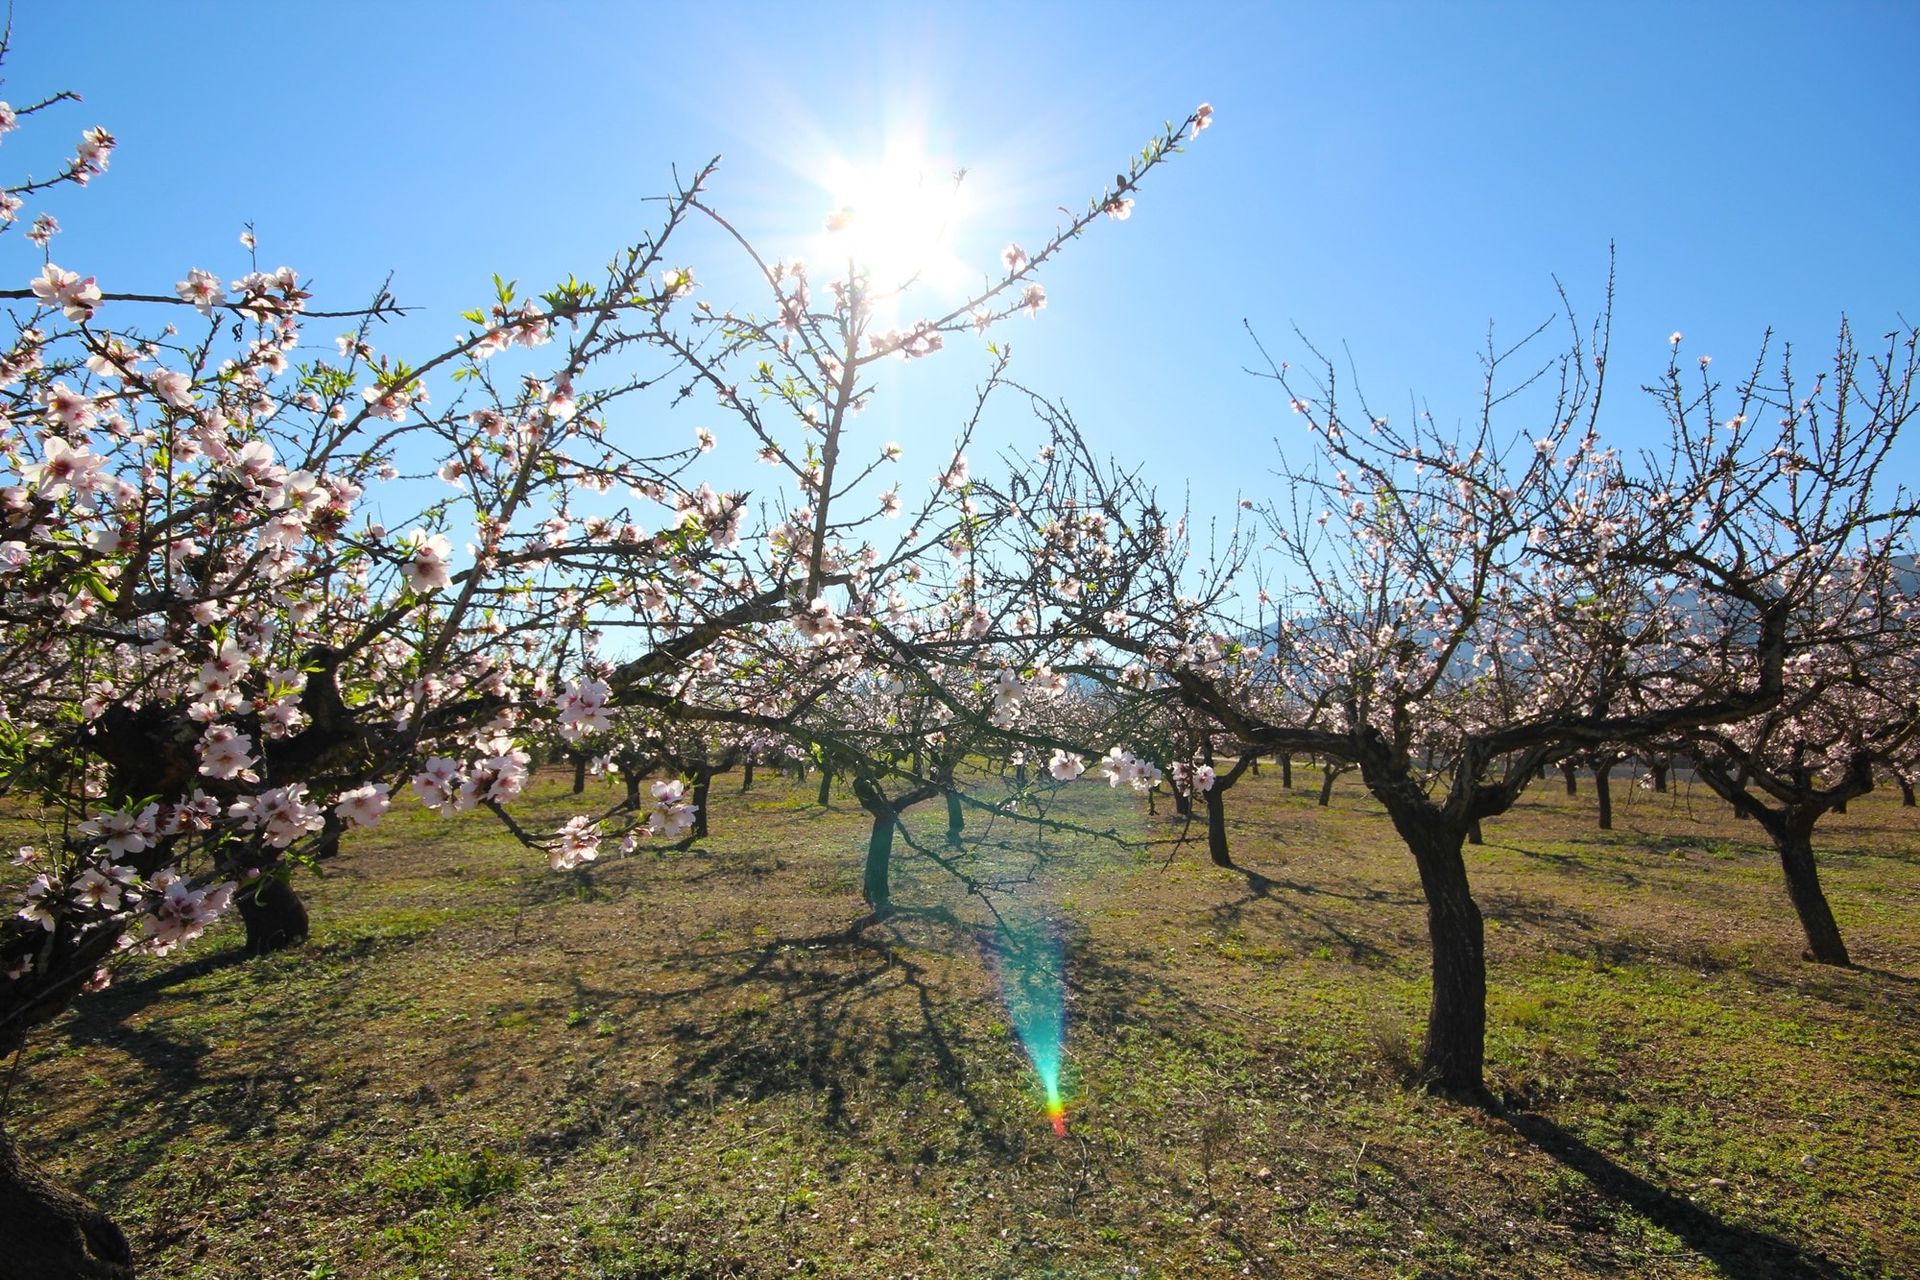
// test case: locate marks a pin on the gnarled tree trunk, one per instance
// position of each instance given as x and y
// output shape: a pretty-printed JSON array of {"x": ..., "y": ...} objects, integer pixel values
[
  {"x": 1326, "y": 787},
  {"x": 876, "y": 875},
  {"x": 1217, "y": 828},
  {"x": 1793, "y": 838},
  {"x": 956, "y": 817},
  {"x": 273, "y": 914},
  {"x": 1453, "y": 1054},
  {"x": 50, "y": 1233},
  {"x": 702, "y": 787}
]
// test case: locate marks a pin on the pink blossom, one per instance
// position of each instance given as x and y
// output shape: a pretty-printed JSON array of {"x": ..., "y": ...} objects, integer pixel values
[
  {"x": 202, "y": 289},
  {"x": 363, "y": 806},
  {"x": 426, "y": 570},
  {"x": 818, "y": 622},
  {"x": 75, "y": 297},
  {"x": 583, "y": 709},
  {"x": 576, "y": 842},
  {"x": 226, "y": 753}
]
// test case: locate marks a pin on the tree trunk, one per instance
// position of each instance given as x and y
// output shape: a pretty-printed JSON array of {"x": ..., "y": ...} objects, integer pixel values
[
  {"x": 1286, "y": 772},
  {"x": 1660, "y": 776},
  {"x": 1603, "y": 787},
  {"x": 956, "y": 817},
  {"x": 875, "y": 877},
  {"x": 1182, "y": 803},
  {"x": 579, "y": 774},
  {"x": 1453, "y": 1055},
  {"x": 1794, "y": 840},
  {"x": 1217, "y": 828},
  {"x": 50, "y": 1233},
  {"x": 746, "y": 775},
  {"x": 1906, "y": 793},
  {"x": 1473, "y": 833},
  {"x": 632, "y": 778},
  {"x": 331, "y": 829},
  {"x": 1256, "y": 766},
  {"x": 1326, "y": 788},
  {"x": 1568, "y": 771},
  {"x": 826, "y": 784},
  {"x": 702, "y": 787},
  {"x": 275, "y": 917}
]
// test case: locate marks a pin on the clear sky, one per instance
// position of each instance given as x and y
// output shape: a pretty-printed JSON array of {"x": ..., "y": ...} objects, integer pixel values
[{"x": 1391, "y": 177}]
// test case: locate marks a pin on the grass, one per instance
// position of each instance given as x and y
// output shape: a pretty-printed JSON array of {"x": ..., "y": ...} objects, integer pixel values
[{"x": 680, "y": 1065}]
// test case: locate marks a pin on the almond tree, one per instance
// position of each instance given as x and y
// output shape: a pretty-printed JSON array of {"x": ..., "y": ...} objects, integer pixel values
[
  {"x": 1851, "y": 666},
  {"x": 213, "y": 652},
  {"x": 1467, "y": 611}
]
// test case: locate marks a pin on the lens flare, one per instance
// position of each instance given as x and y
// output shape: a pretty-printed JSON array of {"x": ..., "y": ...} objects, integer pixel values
[{"x": 1029, "y": 964}]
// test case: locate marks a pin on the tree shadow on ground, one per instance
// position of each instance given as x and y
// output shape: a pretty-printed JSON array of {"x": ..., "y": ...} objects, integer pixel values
[
  {"x": 1575, "y": 865},
  {"x": 1288, "y": 899},
  {"x": 830, "y": 1015},
  {"x": 1736, "y": 1250}
]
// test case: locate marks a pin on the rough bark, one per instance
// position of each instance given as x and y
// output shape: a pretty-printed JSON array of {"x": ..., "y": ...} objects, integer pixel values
[
  {"x": 1286, "y": 772},
  {"x": 1793, "y": 838},
  {"x": 956, "y": 817},
  {"x": 1326, "y": 787},
  {"x": 274, "y": 915},
  {"x": 1603, "y": 788},
  {"x": 1217, "y": 828},
  {"x": 1660, "y": 768},
  {"x": 875, "y": 879},
  {"x": 702, "y": 785},
  {"x": 1453, "y": 1054},
  {"x": 1906, "y": 793},
  {"x": 1473, "y": 833},
  {"x": 826, "y": 785},
  {"x": 746, "y": 775},
  {"x": 50, "y": 1233},
  {"x": 1571, "y": 774}
]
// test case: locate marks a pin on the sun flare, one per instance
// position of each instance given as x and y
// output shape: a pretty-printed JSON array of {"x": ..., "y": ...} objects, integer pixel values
[{"x": 896, "y": 218}]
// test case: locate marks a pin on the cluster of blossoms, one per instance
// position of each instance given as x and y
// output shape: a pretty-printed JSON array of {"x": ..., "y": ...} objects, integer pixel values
[
  {"x": 150, "y": 914},
  {"x": 1195, "y": 779},
  {"x": 1122, "y": 766},
  {"x": 1011, "y": 692},
  {"x": 577, "y": 842},
  {"x": 583, "y": 709},
  {"x": 447, "y": 787},
  {"x": 673, "y": 813}
]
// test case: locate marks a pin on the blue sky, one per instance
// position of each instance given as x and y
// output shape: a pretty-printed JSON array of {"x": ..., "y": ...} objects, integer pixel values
[{"x": 1387, "y": 177}]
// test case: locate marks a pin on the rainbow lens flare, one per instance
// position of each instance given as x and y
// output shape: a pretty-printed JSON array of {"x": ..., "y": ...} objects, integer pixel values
[{"x": 1028, "y": 961}]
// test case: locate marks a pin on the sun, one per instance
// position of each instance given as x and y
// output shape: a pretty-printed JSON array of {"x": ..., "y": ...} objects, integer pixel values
[{"x": 896, "y": 218}]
